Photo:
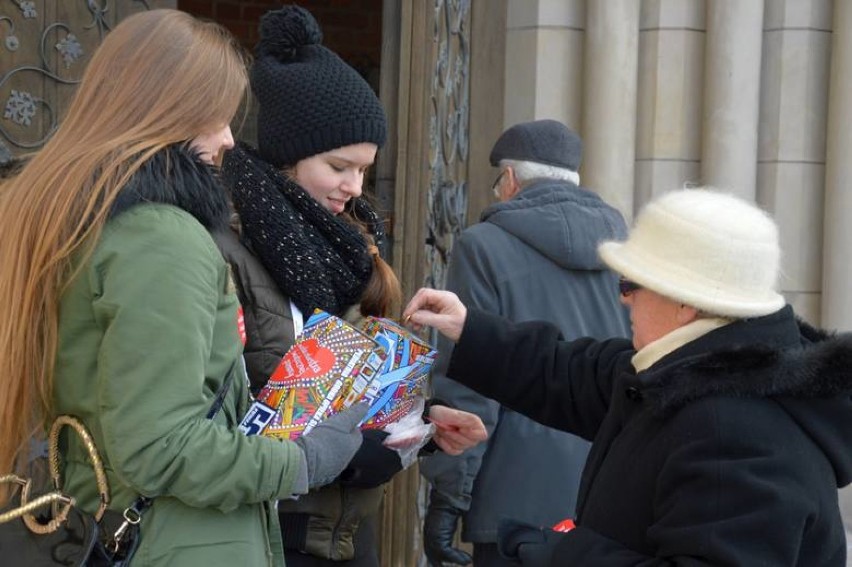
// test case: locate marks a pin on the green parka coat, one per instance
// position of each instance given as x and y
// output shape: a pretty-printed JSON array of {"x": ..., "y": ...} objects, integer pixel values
[{"x": 147, "y": 335}]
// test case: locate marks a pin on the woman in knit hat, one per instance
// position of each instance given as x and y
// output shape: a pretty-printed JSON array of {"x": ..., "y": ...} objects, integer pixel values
[
  {"x": 721, "y": 433},
  {"x": 308, "y": 239}
]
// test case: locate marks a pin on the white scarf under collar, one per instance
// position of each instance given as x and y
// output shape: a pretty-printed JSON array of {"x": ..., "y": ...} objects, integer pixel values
[{"x": 656, "y": 350}]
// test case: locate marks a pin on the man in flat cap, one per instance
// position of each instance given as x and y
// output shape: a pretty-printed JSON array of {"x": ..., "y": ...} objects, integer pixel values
[{"x": 532, "y": 256}]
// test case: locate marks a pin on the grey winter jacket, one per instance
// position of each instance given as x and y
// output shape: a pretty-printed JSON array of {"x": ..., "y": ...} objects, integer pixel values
[{"x": 531, "y": 258}]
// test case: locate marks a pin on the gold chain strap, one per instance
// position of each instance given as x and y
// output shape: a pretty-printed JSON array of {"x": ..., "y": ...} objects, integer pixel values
[
  {"x": 61, "y": 503},
  {"x": 28, "y": 506},
  {"x": 55, "y": 460}
]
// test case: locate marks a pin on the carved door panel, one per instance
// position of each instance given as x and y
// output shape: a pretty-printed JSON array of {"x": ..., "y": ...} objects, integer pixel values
[
  {"x": 442, "y": 82},
  {"x": 44, "y": 47}
]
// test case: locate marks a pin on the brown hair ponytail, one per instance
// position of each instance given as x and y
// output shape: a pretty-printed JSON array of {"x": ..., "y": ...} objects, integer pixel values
[{"x": 383, "y": 296}]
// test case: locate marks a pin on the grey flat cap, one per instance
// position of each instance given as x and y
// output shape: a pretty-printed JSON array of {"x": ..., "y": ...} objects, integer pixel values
[{"x": 543, "y": 141}]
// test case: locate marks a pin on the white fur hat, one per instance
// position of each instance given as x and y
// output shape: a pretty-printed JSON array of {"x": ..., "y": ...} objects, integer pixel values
[{"x": 712, "y": 251}]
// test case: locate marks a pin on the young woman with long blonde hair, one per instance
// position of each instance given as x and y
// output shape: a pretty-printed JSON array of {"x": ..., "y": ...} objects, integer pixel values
[{"x": 118, "y": 307}]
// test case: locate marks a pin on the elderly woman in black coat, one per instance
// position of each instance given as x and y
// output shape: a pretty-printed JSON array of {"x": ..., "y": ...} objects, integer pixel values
[{"x": 721, "y": 434}]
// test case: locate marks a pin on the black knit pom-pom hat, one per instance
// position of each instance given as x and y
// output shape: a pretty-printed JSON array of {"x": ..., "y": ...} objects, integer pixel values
[{"x": 309, "y": 100}]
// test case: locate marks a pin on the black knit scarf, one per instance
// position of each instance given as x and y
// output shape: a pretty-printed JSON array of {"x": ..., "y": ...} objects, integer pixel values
[{"x": 318, "y": 260}]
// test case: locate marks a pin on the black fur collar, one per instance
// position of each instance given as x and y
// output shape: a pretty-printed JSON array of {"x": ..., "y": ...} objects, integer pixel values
[
  {"x": 176, "y": 176},
  {"x": 772, "y": 356}
]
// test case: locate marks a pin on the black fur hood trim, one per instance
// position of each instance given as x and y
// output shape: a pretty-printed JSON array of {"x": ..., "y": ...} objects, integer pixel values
[
  {"x": 806, "y": 371},
  {"x": 176, "y": 176},
  {"x": 772, "y": 356}
]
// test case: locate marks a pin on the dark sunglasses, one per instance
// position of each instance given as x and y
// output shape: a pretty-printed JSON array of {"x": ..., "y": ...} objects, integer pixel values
[{"x": 626, "y": 287}]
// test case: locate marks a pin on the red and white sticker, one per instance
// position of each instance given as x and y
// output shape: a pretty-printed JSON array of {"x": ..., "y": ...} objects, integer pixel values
[
  {"x": 241, "y": 325},
  {"x": 564, "y": 526}
]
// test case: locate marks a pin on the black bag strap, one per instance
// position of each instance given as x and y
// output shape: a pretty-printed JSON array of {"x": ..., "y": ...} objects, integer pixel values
[{"x": 216, "y": 406}]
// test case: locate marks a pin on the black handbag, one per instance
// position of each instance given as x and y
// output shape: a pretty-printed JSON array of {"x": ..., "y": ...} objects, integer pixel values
[
  {"x": 63, "y": 534},
  {"x": 51, "y": 530}
]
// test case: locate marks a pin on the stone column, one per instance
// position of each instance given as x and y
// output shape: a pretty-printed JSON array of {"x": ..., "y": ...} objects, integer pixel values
[
  {"x": 791, "y": 146},
  {"x": 671, "y": 82},
  {"x": 837, "y": 269},
  {"x": 544, "y": 61},
  {"x": 609, "y": 101},
  {"x": 731, "y": 96}
]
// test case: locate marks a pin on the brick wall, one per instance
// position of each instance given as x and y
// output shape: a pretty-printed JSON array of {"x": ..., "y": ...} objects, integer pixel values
[{"x": 351, "y": 28}]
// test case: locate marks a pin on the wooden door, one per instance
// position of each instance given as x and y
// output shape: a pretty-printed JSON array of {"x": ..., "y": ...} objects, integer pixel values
[
  {"x": 442, "y": 86},
  {"x": 44, "y": 47}
]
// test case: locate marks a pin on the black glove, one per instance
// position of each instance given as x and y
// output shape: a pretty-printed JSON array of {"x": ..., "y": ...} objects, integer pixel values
[
  {"x": 439, "y": 528},
  {"x": 531, "y": 545},
  {"x": 373, "y": 464},
  {"x": 331, "y": 444}
]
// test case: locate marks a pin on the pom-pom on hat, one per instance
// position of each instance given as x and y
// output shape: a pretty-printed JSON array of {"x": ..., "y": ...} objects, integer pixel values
[
  {"x": 309, "y": 100},
  {"x": 712, "y": 251}
]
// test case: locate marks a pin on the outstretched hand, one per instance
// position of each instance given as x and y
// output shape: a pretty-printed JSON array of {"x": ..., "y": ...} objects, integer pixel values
[
  {"x": 442, "y": 310},
  {"x": 456, "y": 430}
]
